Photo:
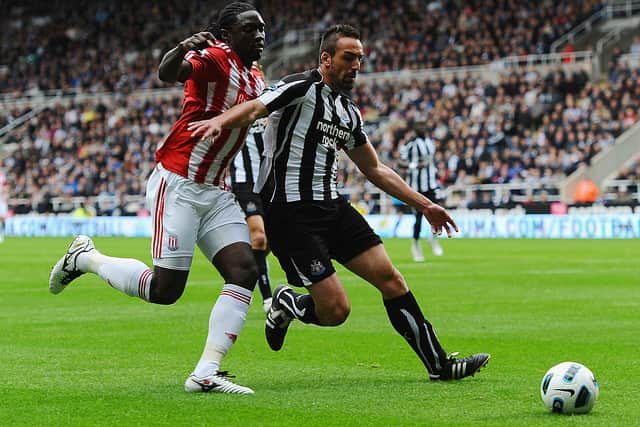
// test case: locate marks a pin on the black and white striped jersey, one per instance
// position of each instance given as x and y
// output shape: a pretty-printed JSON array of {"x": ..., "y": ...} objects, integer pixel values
[
  {"x": 245, "y": 166},
  {"x": 308, "y": 125},
  {"x": 419, "y": 155}
]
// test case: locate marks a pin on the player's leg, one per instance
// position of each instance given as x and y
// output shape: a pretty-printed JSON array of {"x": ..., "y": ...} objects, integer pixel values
[
  {"x": 229, "y": 249},
  {"x": 163, "y": 285},
  {"x": 174, "y": 233},
  {"x": 407, "y": 318},
  {"x": 259, "y": 247},
  {"x": 299, "y": 239},
  {"x": 326, "y": 304},
  {"x": 405, "y": 315},
  {"x": 435, "y": 245},
  {"x": 436, "y": 249},
  {"x": 361, "y": 251},
  {"x": 416, "y": 247}
]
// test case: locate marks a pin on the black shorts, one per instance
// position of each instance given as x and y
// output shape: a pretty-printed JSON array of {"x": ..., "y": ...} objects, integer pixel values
[
  {"x": 250, "y": 202},
  {"x": 306, "y": 236}
]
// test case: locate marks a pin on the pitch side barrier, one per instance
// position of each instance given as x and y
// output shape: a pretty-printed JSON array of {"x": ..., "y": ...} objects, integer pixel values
[{"x": 572, "y": 226}]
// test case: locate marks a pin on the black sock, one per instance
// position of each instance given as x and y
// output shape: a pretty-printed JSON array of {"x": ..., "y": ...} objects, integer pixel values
[
  {"x": 417, "y": 226},
  {"x": 263, "y": 276},
  {"x": 408, "y": 320},
  {"x": 299, "y": 306}
]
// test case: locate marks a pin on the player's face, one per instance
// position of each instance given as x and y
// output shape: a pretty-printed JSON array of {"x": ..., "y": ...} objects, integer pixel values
[
  {"x": 345, "y": 63},
  {"x": 247, "y": 36}
]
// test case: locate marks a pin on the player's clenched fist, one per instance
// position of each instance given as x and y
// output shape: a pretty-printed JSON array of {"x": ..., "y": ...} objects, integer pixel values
[{"x": 198, "y": 41}]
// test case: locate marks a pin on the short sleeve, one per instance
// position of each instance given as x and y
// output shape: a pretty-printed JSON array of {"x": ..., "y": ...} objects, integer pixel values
[
  {"x": 206, "y": 64},
  {"x": 358, "y": 135},
  {"x": 282, "y": 94}
]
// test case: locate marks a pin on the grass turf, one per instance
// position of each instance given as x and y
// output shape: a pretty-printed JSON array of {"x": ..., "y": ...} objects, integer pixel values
[{"x": 92, "y": 356}]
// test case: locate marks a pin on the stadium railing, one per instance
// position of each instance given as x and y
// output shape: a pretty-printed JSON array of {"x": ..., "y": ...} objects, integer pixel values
[
  {"x": 606, "y": 164},
  {"x": 611, "y": 10},
  {"x": 492, "y": 72}
]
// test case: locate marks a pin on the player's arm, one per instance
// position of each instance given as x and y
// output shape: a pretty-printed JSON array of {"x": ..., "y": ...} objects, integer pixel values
[
  {"x": 173, "y": 66},
  {"x": 239, "y": 116},
  {"x": 242, "y": 115},
  {"x": 383, "y": 177}
]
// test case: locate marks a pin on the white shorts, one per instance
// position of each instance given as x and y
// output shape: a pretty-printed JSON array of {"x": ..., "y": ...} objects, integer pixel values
[{"x": 184, "y": 213}]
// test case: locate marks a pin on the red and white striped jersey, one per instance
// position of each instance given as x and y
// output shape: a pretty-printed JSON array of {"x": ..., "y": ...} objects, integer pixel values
[{"x": 219, "y": 81}]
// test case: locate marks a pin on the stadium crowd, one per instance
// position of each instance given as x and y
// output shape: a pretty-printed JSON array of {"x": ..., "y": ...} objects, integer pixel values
[
  {"x": 110, "y": 46},
  {"x": 524, "y": 128},
  {"x": 430, "y": 34},
  {"x": 527, "y": 128}
]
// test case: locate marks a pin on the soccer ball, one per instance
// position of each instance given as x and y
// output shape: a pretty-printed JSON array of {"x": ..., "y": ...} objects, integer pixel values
[{"x": 569, "y": 388}]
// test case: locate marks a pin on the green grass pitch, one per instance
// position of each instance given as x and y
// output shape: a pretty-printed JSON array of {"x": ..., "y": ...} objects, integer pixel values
[{"x": 92, "y": 356}]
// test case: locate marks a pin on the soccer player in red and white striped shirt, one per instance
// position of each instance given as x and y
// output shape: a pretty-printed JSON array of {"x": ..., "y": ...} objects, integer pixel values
[{"x": 186, "y": 193}]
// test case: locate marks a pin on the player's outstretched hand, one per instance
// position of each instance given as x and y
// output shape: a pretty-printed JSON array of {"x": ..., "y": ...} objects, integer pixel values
[
  {"x": 198, "y": 41},
  {"x": 205, "y": 128},
  {"x": 439, "y": 219}
]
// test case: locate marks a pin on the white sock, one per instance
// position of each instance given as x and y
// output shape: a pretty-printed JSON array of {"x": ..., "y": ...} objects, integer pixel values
[
  {"x": 225, "y": 323},
  {"x": 128, "y": 275}
]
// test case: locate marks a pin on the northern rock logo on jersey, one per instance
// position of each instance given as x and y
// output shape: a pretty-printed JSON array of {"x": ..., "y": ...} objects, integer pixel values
[{"x": 332, "y": 136}]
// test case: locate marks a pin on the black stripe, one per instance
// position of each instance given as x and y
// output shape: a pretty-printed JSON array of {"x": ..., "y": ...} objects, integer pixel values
[
  {"x": 291, "y": 93},
  {"x": 246, "y": 163},
  {"x": 280, "y": 162},
  {"x": 358, "y": 133},
  {"x": 311, "y": 141},
  {"x": 259, "y": 143}
]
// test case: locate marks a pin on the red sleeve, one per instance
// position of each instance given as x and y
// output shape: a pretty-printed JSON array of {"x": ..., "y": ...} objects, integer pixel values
[{"x": 206, "y": 64}]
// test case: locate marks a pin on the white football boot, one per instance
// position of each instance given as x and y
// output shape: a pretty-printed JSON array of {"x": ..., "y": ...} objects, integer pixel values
[
  {"x": 217, "y": 383},
  {"x": 436, "y": 248},
  {"x": 416, "y": 251},
  {"x": 66, "y": 269}
]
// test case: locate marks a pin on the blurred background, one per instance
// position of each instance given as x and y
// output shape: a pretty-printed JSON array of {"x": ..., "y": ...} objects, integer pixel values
[{"x": 533, "y": 106}]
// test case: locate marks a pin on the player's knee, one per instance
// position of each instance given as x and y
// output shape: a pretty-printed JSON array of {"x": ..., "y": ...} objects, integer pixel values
[
  {"x": 166, "y": 290},
  {"x": 165, "y": 296},
  {"x": 243, "y": 273}
]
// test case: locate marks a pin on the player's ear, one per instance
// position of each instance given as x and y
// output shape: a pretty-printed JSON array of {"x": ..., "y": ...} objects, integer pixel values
[
  {"x": 325, "y": 58},
  {"x": 225, "y": 35}
]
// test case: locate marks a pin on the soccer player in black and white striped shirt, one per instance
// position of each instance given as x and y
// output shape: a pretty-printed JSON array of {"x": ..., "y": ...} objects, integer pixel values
[
  {"x": 416, "y": 157},
  {"x": 308, "y": 223},
  {"x": 243, "y": 173}
]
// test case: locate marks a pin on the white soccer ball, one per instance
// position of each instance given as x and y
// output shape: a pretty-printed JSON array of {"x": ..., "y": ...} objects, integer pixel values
[{"x": 569, "y": 388}]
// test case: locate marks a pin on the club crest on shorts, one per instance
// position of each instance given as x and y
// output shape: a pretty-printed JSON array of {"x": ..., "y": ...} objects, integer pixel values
[
  {"x": 317, "y": 268},
  {"x": 251, "y": 207},
  {"x": 172, "y": 243}
]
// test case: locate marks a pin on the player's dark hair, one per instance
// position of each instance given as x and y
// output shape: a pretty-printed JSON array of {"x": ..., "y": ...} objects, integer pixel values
[
  {"x": 331, "y": 36},
  {"x": 227, "y": 17}
]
